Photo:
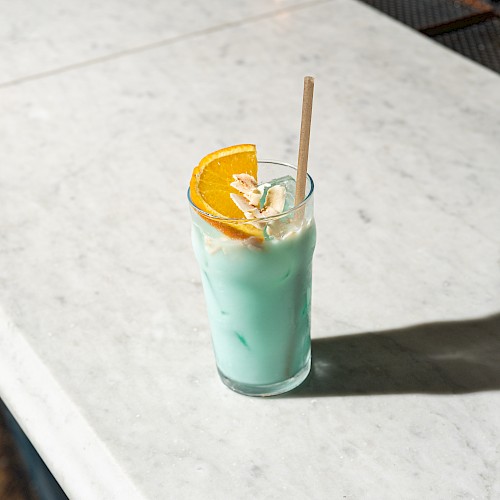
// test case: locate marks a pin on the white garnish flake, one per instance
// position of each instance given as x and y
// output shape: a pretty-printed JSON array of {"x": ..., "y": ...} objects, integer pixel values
[
  {"x": 244, "y": 183},
  {"x": 249, "y": 202},
  {"x": 275, "y": 198},
  {"x": 241, "y": 202}
]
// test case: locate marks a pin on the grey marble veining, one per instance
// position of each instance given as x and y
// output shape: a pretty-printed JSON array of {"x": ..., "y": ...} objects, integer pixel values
[
  {"x": 40, "y": 38},
  {"x": 102, "y": 309}
]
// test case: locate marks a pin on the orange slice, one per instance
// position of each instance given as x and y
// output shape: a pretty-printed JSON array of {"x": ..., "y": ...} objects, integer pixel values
[{"x": 210, "y": 188}]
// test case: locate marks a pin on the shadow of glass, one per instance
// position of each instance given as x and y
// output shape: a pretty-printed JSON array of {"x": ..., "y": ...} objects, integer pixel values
[{"x": 435, "y": 358}]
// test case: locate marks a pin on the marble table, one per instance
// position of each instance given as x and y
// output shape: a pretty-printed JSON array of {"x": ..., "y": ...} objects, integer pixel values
[{"x": 105, "y": 355}]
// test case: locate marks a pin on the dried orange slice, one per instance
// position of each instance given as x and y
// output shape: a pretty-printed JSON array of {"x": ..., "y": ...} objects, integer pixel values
[{"x": 210, "y": 188}]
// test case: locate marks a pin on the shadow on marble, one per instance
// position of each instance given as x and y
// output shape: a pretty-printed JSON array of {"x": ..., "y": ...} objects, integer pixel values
[{"x": 436, "y": 358}]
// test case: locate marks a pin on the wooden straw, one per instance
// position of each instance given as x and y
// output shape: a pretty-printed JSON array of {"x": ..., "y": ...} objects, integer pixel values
[{"x": 305, "y": 132}]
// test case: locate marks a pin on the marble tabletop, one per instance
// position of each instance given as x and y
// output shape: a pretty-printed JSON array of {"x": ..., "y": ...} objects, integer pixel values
[{"x": 105, "y": 355}]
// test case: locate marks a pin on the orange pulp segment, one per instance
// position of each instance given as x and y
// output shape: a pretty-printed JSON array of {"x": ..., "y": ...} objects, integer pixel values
[{"x": 210, "y": 188}]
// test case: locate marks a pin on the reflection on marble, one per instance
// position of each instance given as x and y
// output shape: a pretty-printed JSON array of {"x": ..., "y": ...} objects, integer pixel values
[{"x": 99, "y": 286}]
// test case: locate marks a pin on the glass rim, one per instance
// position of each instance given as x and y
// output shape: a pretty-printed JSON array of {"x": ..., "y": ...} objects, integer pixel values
[{"x": 263, "y": 219}]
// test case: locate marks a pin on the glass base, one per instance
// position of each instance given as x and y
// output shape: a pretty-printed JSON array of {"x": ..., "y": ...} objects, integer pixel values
[{"x": 269, "y": 389}]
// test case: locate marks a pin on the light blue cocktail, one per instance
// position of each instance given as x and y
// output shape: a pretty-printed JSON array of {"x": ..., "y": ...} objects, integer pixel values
[{"x": 258, "y": 294}]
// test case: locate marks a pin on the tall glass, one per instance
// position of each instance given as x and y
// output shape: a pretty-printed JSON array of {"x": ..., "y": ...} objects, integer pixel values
[{"x": 258, "y": 292}]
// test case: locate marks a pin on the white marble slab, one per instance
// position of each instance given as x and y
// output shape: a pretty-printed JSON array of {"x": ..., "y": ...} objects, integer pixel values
[
  {"x": 100, "y": 292},
  {"x": 40, "y": 38}
]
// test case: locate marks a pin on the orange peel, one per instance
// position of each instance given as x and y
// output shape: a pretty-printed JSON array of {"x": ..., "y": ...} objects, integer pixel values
[{"x": 210, "y": 189}]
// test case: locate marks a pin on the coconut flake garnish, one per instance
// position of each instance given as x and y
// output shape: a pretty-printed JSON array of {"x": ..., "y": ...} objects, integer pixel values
[
  {"x": 247, "y": 186},
  {"x": 244, "y": 182},
  {"x": 251, "y": 194},
  {"x": 249, "y": 202},
  {"x": 241, "y": 202},
  {"x": 275, "y": 198}
]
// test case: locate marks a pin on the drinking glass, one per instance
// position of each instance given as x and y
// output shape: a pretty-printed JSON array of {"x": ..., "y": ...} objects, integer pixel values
[{"x": 258, "y": 291}]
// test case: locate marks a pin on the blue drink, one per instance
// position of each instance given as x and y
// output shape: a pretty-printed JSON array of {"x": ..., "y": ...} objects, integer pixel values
[{"x": 258, "y": 295}]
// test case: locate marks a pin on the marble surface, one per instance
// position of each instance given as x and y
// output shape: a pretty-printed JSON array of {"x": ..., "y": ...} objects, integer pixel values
[
  {"x": 41, "y": 39},
  {"x": 105, "y": 356}
]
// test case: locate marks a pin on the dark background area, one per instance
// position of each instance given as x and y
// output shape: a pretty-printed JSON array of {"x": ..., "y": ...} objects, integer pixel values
[
  {"x": 470, "y": 27},
  {"x": 14, "y": 480},
  {"x": 23, "y": 474}
]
